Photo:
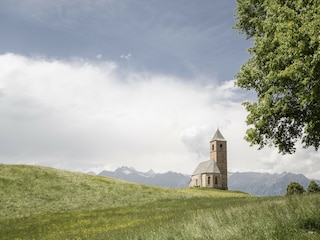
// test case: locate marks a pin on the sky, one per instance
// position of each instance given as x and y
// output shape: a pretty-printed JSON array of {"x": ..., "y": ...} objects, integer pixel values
[{"x": 96, "y": 85}]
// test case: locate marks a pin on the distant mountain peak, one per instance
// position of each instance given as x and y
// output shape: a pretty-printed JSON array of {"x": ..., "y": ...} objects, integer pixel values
[
  {"x": 125, "y": 170},
  {"x": 151, "y": 172},
  {"x": 169, "y": 179}
]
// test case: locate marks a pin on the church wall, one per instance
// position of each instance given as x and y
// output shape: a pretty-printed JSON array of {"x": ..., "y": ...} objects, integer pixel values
[
  {"x": 203, "y": 180},
  {"x": 208, "y": 180},
  {"x": 212, "y": 180},
  {"x": 195, "y": 181}
]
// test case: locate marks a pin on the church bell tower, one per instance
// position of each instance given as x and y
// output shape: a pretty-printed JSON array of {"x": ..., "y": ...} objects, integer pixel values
[{"x": 218, "y": 153}]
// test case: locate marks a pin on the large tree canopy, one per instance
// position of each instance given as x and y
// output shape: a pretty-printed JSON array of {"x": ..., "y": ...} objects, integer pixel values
[{"x": 284, "y": 71}]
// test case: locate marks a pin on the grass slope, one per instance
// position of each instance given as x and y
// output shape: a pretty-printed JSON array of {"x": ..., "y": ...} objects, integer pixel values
[{"x": 44, "y": 203}]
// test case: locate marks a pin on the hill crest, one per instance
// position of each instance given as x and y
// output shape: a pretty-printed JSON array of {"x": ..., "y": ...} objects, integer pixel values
[{"x": 27, "y": 189}]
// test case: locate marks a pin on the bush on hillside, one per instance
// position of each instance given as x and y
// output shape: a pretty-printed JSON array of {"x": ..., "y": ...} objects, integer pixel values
[
  {"x": 313, "y": 187},
  {"x": 294, "y": 188}
]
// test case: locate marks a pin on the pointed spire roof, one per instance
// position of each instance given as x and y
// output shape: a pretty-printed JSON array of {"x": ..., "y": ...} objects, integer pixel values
[{"x": 217, "y": 136}]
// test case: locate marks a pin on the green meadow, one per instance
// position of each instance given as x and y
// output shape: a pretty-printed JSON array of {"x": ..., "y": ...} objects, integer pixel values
[{"x": 45, "y": 203}]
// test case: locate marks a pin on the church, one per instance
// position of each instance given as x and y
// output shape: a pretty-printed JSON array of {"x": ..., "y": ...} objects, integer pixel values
[{"x": 214, "y": 172}]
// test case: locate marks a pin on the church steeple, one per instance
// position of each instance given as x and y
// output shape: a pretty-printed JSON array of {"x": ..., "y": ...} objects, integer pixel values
[
  {"x": 218, "y": 153},
  {"x": 217, "y": 136}
]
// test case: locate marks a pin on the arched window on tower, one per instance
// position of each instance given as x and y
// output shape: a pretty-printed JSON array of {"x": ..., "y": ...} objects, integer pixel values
[
  {"x": 216, "y": 180},
  {"x": 212, "y": 147},
  {"x": 221, "y": 146}
]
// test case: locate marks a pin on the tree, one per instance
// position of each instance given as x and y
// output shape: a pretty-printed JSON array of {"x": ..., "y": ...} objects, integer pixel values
[
  {"x": 284, "y": 72},
  {"x": 294, "y": 188},
  {"x": 313, "y": 187}
]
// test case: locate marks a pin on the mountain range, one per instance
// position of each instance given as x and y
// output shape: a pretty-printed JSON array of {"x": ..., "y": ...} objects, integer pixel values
[
  {"x": 261, "y": 184},
  {"x": 168, "y": 179},
  {"x": 265, "y": 184}
]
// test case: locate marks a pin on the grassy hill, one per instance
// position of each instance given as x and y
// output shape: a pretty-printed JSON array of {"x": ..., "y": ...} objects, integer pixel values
[{"x": 45, "y": 203}]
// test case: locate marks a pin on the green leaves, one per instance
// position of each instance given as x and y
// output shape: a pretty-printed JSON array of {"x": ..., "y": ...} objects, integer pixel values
[
  {"x": 284, "y": 71},
  {"x": 313, "y": 187},
  {"x": 294, "y": 188}
]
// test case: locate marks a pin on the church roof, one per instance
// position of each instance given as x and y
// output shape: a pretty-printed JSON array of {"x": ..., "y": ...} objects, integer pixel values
[
  {"x": 217, "y": 136},
  {"x": 206, "y": 167}
]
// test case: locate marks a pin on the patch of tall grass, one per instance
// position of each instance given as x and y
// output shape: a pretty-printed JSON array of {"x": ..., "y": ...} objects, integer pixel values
[
  {"x": 264, "y": 218},
  {"x": 136, "y": 221},
  {"x": 193, "y": 218}
]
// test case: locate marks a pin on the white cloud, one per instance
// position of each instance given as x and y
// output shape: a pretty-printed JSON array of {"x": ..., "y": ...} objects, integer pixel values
[
  {"x": 80, "y": 115},
  {"x": 196, "y": 138}
]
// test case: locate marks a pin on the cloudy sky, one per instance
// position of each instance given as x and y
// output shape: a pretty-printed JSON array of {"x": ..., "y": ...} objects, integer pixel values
[{"x": 92, "y": 85}]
